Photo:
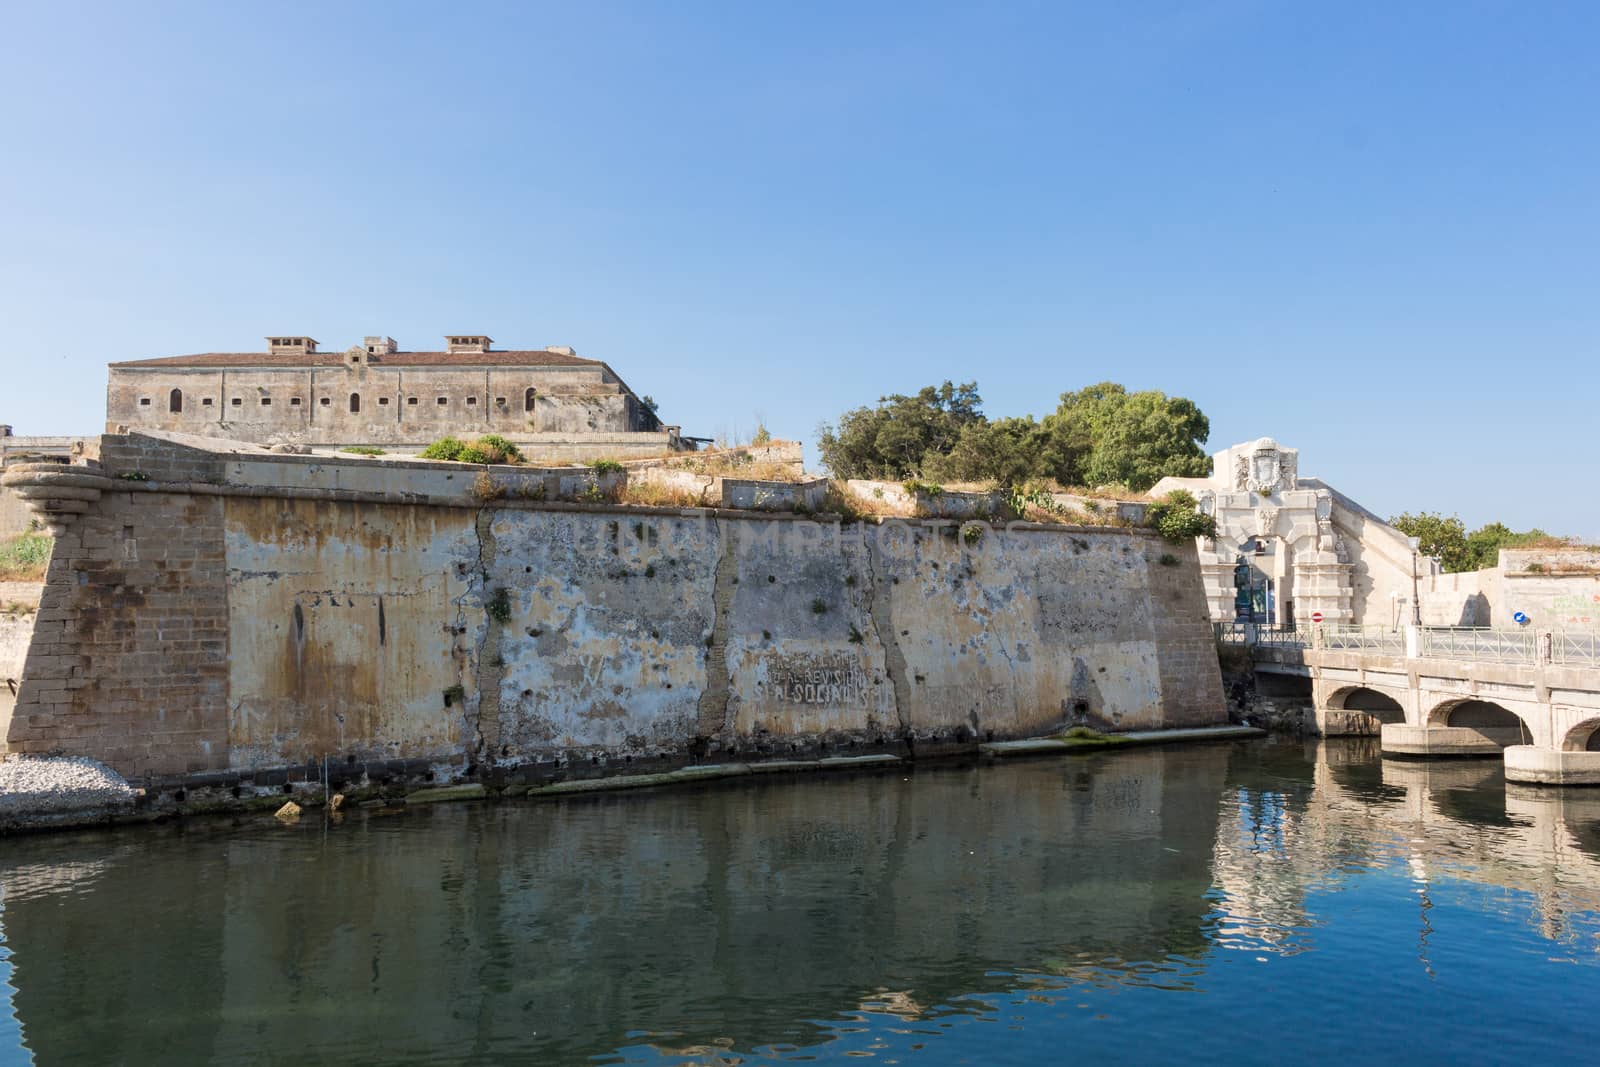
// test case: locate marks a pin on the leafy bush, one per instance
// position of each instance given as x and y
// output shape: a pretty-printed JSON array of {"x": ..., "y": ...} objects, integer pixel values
[
  {"x": 362, "y": 450},
  {"x": 503, "y": 450},
  {"x": 606, "y": 466},
  {"x": 916, "y": 488},
  {"x": 1177, "y": 518},
  {"x": 444, "y": 448},
  {"x": 474, "y": 454}
]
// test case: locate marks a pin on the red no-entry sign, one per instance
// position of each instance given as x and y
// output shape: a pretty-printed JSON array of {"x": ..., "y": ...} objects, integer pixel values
[{"x": 1316, "y": 616}]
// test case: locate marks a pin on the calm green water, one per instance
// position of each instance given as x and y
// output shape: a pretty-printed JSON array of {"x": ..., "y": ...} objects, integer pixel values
[{"x": 1258, "y": 902}]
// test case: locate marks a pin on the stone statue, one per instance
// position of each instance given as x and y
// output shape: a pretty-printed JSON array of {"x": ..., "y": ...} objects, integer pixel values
[{"x": 1241, "y": 589}]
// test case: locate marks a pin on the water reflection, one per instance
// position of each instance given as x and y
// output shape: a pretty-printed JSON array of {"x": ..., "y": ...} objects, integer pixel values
[{"x": 882, "y": 915}]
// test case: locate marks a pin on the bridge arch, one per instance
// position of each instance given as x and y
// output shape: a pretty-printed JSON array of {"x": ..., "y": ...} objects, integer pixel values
[
  {"x": 1584, "y": 737},
  {"x": 1493, "y": 720},
  {"x": 1369, "y": 701}
]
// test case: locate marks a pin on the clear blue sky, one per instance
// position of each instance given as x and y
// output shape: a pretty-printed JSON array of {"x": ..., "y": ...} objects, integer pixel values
[{"x": 1371, "y": 230}]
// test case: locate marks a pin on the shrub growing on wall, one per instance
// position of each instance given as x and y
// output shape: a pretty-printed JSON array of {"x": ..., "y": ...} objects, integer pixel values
[
  {"x": 502, "y": 450},
  {"x": 1177, "y": 518},
  {"x": 444, "y": 448},
  {"x": 490, "y": 448}
]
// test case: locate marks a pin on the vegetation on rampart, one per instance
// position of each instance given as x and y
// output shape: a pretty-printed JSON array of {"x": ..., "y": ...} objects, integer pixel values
[
  {"x": 1446, "y": 539},
  {"x": 24, "y": 558},
  {"x": 490, "y": 448},
  {"x": 1099, "y": 436},
  {"x": 1177, "y": 518}
]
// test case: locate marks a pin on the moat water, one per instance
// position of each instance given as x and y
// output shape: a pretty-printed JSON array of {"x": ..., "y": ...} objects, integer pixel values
[{"x": 1255, "y": 903}]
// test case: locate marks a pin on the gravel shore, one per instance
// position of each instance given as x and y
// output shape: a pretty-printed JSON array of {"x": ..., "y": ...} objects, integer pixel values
[{"x": 31, "y": 786}]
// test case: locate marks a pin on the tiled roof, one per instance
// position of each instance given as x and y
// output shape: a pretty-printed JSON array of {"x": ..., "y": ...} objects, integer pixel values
[{"x": 536, "y": 358}]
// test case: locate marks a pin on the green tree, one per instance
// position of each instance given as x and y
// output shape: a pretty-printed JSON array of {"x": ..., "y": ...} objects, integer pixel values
[
  {"x": 1447, "y": 540},
  {"x": 1101, "y": 435},
  {"x": 1484, "y": 543},
  {"x": 1105, "y": 435},
  {"x": 891, "y": 440},
  {"x": 1443, "y": 538},
  {"x": 1007, "y": 452}
]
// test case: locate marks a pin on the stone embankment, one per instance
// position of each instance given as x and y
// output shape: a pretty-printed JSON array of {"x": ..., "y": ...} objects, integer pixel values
[{"x": 42, "y": 793}]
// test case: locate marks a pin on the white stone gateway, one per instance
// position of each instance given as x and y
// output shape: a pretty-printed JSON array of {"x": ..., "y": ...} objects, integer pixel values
[{"x": 1309, "y": 549}]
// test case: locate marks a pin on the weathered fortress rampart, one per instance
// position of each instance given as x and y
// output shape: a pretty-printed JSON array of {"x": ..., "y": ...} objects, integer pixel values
[{"x": 210, "y": 613}]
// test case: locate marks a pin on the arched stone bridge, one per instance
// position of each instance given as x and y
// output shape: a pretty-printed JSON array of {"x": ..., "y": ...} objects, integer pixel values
[{"x": 1533, "y": 695}]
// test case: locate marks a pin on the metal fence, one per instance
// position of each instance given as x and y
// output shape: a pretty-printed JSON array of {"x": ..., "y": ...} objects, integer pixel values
[
  {"x": 1370, "y": 638},
  {"x": 1239, "y": 633},
  {"x": 1575, "y": 648},
  {"x": 1570, "y": 648},
  {"x": 1487, "y": 646}
]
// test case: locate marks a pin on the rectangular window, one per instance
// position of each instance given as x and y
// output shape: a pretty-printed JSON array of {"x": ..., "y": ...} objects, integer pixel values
[
  {"x": 444, "y": 400},
  {"x": 383, "y": 401},
  {"x": 144, "y": 401},
  {"x": 238, "y": 402},
  {"x": 206, "y": 401},
  {"x": 472, "y": 400},
  {"x": 326, "y": 402},
  {"x": 294, "y": 401},
  {"x": 412, "y": 401},
  {"x": 266, "y": 401},
  {"x": 500, "y": 400}
]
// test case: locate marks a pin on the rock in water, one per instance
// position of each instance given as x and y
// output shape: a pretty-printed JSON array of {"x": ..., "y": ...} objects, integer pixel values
[
  {"x": 336, "y": 802},
  {"x": 289, "y": 812}
]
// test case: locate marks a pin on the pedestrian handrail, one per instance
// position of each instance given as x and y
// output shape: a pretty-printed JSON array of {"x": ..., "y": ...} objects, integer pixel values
[
  {"x": 1298, "y": 635},
  {"x": 1575, "y": 648},
  {"x": 1363, "y": 638},
  {"x": 1530, "y": 646},
  {"x": 1483, "y": 645}
]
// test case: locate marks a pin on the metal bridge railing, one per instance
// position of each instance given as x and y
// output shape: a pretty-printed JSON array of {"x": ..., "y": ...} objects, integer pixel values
[
  {"x": 1567, "y": 648},
  {"x": 1296, "y": 636},
  {"x": 1486, "y": 646},
  {"x": 1575, "y": 648},
  {"x": 1367, "y": 638},
  {"x": 1239, "y": 633}
]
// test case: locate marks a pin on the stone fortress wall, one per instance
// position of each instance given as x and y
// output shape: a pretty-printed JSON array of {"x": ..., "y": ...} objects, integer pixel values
[
  {"x": 211, "y": 613},
  {"x": 374, "y": 394}
]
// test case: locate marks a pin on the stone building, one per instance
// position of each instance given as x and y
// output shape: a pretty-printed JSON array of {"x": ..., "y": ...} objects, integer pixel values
[
  {"x": 1310, "y": 550},
  {"x": 557, "y": 404}
]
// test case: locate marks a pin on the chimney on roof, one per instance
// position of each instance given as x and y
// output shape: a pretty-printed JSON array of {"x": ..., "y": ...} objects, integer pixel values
[
  {"x": 467, "y": 343},
  {"x": 380, "y": 346},
  {"x": 561, "y": 350},
  {"x": 290, "y": 346}
]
